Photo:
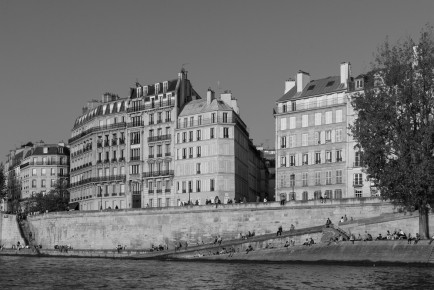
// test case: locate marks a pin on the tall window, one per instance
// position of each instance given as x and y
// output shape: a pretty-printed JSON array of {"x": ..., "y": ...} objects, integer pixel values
[
  {"x": 211, "y": 133},
  {"x": 225, "y": 132},
  {"x": 305, "y": 158},
  {"x": 43, "y": 183},
  {"x": 43, "y": 171},
  {"x": 184, "y": 136},
  {"x": 318, "y": 178},
  {"x": 283, "y": 123},
  {"x": 190, "y": 152},
  {"x": 213, "y": 118},
  {"x": 168, "y": 116},
  {"x": 304, "y": 138},
  {"x": 198, "y": 168},
  {"x": 33, "y": 183},
  {"x": 317, "y": 157},
  {"x": 225, "y": 117},
  {"x": 292, "y": 141},
  {"x": 199, "y": 120},
  {"x": 338, "y": 135},
  {"x": 317, "y": 119},
  {"x": 358, "y": 181},
  {"x": 338, "y": 193},
  {"x": 338, "y": 155},
  {"x": 304, "y": 178},
  {"x": 135, "y": 138},
  {"x": 328, "y": 156},
  {"x": 305, "y": 121},
  {"x": 199, "y": 151},
  {"x": 198, "y": 135},
  {"x": 357, "y": 160},
  {"x": 212, "y": 184},
  {"x": 198, "y": 185},
  {"x": 328, "y": 177},
  {"x": 328, "y": 117},
  {"x": 338, "y": 116},
  {"x": 291, "y": 160},
  {"x": 190, "y": 136},
  {"x": 338, "y": 176},
  {"x": 292, "y": 122},
  {"x": 328, "y": 136},
  {"x": 191, "y": 121},
  {"x": 283, "y": 161}
]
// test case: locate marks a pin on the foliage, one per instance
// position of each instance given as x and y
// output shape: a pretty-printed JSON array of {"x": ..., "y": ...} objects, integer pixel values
[
  {"x": 2, "y": 182},
  {"x": 56, "y": 199},
  {"x": 395, "y": 123}
]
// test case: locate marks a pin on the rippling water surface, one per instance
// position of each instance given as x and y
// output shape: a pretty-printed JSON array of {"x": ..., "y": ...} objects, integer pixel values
[{"x": 57, "y": 273}]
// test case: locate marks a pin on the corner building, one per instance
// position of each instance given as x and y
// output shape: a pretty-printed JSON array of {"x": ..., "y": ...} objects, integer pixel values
[{"x": 315, "y": 155}]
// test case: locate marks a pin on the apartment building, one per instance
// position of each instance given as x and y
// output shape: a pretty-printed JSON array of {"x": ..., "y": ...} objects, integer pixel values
[
  {"x": 117, "y": 146},
  {"x": 214, "y": 156},
  {"x": 35, "y": 168},
  {"x": 315, "y": 155}
]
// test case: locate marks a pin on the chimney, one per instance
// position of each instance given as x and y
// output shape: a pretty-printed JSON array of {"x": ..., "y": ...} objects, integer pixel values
[
  {"x": 289, "y": 84},
  {"x": 345, "y": 73},
  {"x": 209, "y": 96},
  {"x": 303, "y": 78}
]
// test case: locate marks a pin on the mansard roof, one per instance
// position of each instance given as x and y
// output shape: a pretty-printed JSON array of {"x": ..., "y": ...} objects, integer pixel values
[
  {"x": 201, "y": 106},
  {"x": 171, "y": 86},
  {"x": 315, "y": 87},
  {"x": 103, "y": 109}
]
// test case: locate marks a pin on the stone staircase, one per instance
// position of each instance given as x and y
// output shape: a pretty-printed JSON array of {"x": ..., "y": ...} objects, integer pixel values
[
  {"x": 24, "y": 228},
  {"x": 431, "y": 256}
]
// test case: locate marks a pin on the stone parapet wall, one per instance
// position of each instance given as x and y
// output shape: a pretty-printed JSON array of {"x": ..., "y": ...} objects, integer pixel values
[{"x": 139, "y": 228}]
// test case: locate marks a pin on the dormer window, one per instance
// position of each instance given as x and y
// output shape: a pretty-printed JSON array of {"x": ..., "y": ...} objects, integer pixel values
[
  {"x": 45, "y": 150},
  {"x": 359, "y": 84},
  {"x": 60, "y": 150},
  {"x": 165, "y": 87},
  {"x": 145, "y": 90},
  {"x": 157, "y": 88}
]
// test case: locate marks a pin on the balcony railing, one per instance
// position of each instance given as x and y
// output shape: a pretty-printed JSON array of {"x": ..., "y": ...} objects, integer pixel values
[
  {"x": 135, "y": 124},
  {"x": 135, "y": 158},
  {"x": 151, "y": 105},
  {"x": 205, "y": 121},
  {"x": 122, "y": 159},
  {"x": 47, "y": 162},
  {"x": 167, "y": 154},
  {"x": 151, "y": 191},
  {"x": 159, "y": 138},
  {"x": 357, "y": 164},
  {"x": 166, "y": 190},
  {"x": 121, "y": 125},
  {"x": 159, "y": 191},
  {"x": 158, "y": 173},
  {"x": 114, "y": 142},
  {"x": 160, "y": 155},
  {"x": 136, "y": 192},
  {"x": 121, "y": 141},
  {"x": 106, "y": 143}
]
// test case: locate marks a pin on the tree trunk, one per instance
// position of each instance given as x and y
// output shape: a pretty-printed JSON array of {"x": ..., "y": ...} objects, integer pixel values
[{"x": 423, "y": 222}]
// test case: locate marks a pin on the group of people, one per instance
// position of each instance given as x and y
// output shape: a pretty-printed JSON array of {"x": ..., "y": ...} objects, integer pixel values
[
  {"x": 309, "y": 242},
  {"x": 119, "y": 248},
  {"x": 160, "y": 247},
  {"x": 289, "y": 243},
  {"x": 218, "y": 240}
]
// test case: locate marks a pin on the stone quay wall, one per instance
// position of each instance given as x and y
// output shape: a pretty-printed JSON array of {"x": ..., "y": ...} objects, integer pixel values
[
  {"x": 9, "y": 231},
  {"x": 139, "y": 228}
]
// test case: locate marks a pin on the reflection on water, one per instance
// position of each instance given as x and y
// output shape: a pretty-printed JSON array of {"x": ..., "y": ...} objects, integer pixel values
[{"x": 80, "y": 273}]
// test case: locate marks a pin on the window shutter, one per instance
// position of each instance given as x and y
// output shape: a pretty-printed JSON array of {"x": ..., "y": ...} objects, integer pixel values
[
  {"x": 322, "y": 137},
  {"x": 333, "y": 136}
]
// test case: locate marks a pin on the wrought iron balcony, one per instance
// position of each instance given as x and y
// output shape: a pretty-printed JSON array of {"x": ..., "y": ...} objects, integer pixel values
[
  {"x": 159, "y": 138},
  {"x": 158, "y": 173}
]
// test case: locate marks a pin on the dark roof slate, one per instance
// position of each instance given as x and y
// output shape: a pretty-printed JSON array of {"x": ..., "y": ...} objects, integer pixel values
[
  {"x": 315, "y": 87},
  {"x": 200, "y": 106}
]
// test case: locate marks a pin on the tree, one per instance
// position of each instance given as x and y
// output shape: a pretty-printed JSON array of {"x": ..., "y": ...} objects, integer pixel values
[
  {"x": 2, "y": 182},
  {"x": 394, "y": 124},
  {"x": 56, "y": 199}
]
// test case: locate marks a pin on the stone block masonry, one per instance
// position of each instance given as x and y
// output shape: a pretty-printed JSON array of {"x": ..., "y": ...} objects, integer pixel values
[
  {"x": 9, "y": 231},
  {"x": 139, "y": 228}
]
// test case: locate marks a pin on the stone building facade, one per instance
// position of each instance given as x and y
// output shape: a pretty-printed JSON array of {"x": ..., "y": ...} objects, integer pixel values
[{"x": 315, "y": 155}]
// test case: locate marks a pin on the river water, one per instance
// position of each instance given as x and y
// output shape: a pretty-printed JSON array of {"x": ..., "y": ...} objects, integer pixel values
[{"x": 84, "y": 273}]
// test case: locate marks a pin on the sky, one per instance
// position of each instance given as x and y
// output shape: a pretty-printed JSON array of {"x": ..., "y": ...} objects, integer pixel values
[{"x": 57, "y": 55}]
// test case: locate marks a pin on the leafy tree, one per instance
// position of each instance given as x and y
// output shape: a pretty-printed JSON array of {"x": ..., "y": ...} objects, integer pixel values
[
  {"x": 2, "y": 182},
  {"x": 56, "y": 199},
  {"x": 394, "y": 124}
]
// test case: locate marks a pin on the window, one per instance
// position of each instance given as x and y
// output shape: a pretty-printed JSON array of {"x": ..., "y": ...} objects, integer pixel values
[
  {"x": 284, "y": 108},
  {"x": 184, "y": 186},
  {"x": 33, "y": 171},
  {"x": 283, "y": 124},
  {"x": 304, "y": 138},
  {"x": 358, "y": 181},
  {"x": 198, "y": 151},
  {"x": 293, "y": 105},
  {"x": 359, "y": 84},
  {"x": 177, "y": 138},
  {"x": 317, "y": 178},
  {"x": 328, "y": 117},
  {"x": 198, "y": 135},
  {"x": 291, "y": 141},
  {"x": 53, "y": 171},
  {"x": 292, "y": 180},
  {"x": 338, "y": 194},
  {"x": 305, "y": 121},
  {"x": 317, "y": 157},
  {"x": 225, "y": 132},
  {"x": 317, "y": 119},
  {"x": 338, "y": 176},
  {"x": 191, "y": 121},
  {"x": 338, "y": 116},
  {"x": 291, "y": 160},
  {"x": 338, "y": 155},
  {"x": 304, "y": 178},
  {"x": 190, "y": 186},
  {"x": 168, "y": 116},
  {"x": 190, "y": 136},
  {"x": 305, "y": 159},
  {"x": 184, "y": 137},
  {"x": 151, "y": 119},
  {"x": 151, "y": 133},
  {"x": 184, "y": 153},
  {"x": 211, "y": 133},
  {"x": 305, "y": 195},
  {"x": 53, "y": 182},
  {"x": 283, "y": 161},
  {"x": 199, "y": 120},
  {"x": 328, "y": 156},
  {"x": 43, "y": 171},
  {"x": 338, "y": 135},
  {"x": 328, "y": 136},
  {"x": 135, "y": 138},
  {"x": 33, "y": 183},
  {"x": 292, "y": 122},
  {"x": 43, "y": 183},
  {"x": 190, "y": 152},
  {"x": 317, "y": 138},
  {"x": 225, "y": 117},
  {"x": 212, "y": 184},
  {"x": 45, "y": 150},
  {"x": 357, "y": 161},
  {"x": 159, "y": 131},
  {"x": 197, "y": 185},
  {"x": 213, "y": 118},
  {"x": 328, "y": 177},
  {"x": 358, "y": 193},
  {"x": 134, "y": 169},
  {"x": 185, "y": 122}
]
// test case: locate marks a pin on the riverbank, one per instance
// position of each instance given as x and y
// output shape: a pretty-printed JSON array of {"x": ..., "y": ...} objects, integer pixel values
[{"x": 374, "y": 252}]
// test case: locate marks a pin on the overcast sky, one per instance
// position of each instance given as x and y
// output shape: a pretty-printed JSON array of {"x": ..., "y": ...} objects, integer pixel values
[{"x": 57, "y": 55}]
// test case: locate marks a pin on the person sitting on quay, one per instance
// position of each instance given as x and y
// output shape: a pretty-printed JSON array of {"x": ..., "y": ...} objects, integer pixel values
[
  {"x": 219, "y": 240},
  {"x": 352, "y": 238},
  {"x": 306, "y": 243},
  {"x": 279, "y": 231},
  {"x": 286, "y": 244},
  {"x": 292, "y": 227},
  {"x": 379, "y": 238},
  {"x": 417, "y": 238},
  {"x": 342, "y": 220},
  {"x": 409, "y": 238},
  {"x": 311, "y": 242},
  {"x": 328, "y": 223},
  {"x": 249, "y": 249}
]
